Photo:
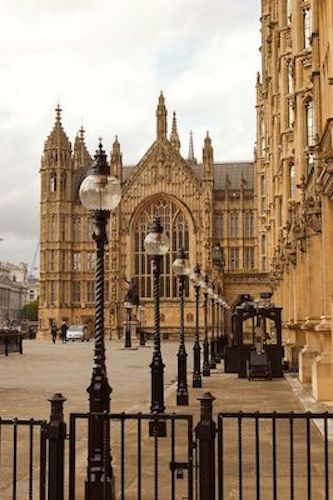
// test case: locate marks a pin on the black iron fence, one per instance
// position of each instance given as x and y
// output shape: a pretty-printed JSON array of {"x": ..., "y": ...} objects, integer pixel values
[
  {"x": 23, "y": 463},
  {"x": 275, "y": 455},
  {"x": 145, "y": 466},
  {"x": 243, "y": 456},
  {"x": 10, "y": 341}
]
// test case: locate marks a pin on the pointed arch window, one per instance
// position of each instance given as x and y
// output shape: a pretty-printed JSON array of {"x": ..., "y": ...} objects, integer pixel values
[
  {"x": 63, "y": 182},
  {"x": 234, "y": 224},
  {"x": 53, "y": 182},
  {"x": 175, "y": 226}
]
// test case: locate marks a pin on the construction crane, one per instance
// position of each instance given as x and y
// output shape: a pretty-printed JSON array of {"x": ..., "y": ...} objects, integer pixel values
[{"x": 33, "y": 266}]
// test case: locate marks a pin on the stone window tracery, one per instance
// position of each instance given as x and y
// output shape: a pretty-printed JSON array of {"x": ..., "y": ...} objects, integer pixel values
[
  {"x": 53, "y": 182},
  {"x": 176, "y": 228},
  {"x": 76, "y": 228},
  {"x": 219, "y": 226},
  {"x": 234, "y": 224},
  {"x": 307, "y": 26}
]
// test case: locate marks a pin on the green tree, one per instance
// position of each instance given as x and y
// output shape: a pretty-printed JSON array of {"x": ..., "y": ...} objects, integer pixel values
[{"x": 31, "y": 310}]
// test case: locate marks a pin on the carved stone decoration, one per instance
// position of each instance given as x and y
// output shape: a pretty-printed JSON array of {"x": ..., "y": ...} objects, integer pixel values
[{"x": 312, "y": 213}]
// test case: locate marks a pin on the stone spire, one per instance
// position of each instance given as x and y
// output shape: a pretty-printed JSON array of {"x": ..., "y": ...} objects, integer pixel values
[
  {"x": 57, "y": 139},
  {"x": 81, "y": 155},
  {"x": 191, "y": 158},
  {"x": 161, "y": 116},
  {"x": 208, "y": 158},
  {"x": 174, "y": 137},
  {"x": 116, "y": 160}
]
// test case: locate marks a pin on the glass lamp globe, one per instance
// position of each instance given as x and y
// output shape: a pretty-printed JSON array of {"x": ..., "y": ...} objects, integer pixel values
[
  {"x": 210, "y": 292},
  {"x": 180, "y": 265},
  {"x": 128, "y": 305},
  {"x": 100, "y": 192},
  {"x": 156, "y": 242},
  {"x": 216, "y": 297}
]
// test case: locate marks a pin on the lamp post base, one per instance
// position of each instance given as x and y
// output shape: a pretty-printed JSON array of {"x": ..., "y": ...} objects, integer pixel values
[
  {"x": 96, "y": 490},
  {"x": 182, "y": 399},
  {"x": 196, "y": 381},
  {"x": 206, "y": 371}
]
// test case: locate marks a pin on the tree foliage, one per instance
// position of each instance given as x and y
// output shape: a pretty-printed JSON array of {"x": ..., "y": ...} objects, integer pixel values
[{"x": 31, "y": 310}]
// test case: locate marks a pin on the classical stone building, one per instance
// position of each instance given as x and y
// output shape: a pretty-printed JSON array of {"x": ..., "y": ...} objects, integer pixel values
[
  {"x": 294, "y": 169},
  {"x": 199, "y": 204},
  {"x": 13, "y": 291}
]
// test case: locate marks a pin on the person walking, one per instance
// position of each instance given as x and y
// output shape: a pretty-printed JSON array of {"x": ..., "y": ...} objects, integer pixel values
[
  {"x": 64, "y": 329},
  {"x": 54, "y": 330}
]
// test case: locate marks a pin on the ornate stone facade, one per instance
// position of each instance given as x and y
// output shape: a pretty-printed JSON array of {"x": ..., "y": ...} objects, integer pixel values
[
  {"x": 200, "y": 205},
  {"x": 295, "y": 177}
]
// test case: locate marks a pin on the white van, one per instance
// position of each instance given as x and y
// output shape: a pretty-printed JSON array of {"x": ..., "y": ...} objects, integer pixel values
[{"x": 77, "y": 332}]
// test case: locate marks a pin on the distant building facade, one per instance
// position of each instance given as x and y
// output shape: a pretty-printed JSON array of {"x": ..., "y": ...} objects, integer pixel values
[
  {"x": 199, "y": 204},
  {"x": 13, "y": 292},
  {"x": 294, "y": 174}
]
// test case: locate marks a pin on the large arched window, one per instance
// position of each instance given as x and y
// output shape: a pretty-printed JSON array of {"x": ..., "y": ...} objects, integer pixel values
[{"x": 176, "y": 227}]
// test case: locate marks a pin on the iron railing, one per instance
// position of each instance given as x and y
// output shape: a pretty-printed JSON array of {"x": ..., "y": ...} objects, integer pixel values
[
  {"x": 23, "y": 464},
  {"x": 10, "y": 341},
  {"x": 144, "y": 467},
  {"x": 274, "y": 455}
]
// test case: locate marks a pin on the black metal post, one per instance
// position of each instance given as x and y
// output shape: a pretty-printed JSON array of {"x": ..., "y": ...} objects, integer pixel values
[
  {"x": 128, "y": 342},
  {"x": 182, "y": 392},
  {"x": 205, "y": 368},
  {"x": 142, "y": 331},
  {"x": 157, "y": 365},
  {"x": 56, "y": 434},
  {"x": 196, "y": 380},
  {"x": 212, "y": 362},
  {"x": 100, "y": 479},
  {"x": 206, "y": 432},
  {"x": 217, "y": 337}
]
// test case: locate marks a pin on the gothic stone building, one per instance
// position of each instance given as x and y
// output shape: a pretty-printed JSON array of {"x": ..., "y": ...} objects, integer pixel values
[
  {"x": 294, "y": 168},
  {"x": 199, "y": 204}
]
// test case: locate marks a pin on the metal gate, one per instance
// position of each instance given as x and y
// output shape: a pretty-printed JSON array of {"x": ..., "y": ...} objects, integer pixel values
[
  {"x": 275, "y": 455},
  {"x": 146, "y": 465}
]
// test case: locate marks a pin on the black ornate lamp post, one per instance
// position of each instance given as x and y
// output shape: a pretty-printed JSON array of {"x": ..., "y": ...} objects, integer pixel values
[
  {"x": 181, "y": 270},
  {"x": 196, "y": 378},
  {"x": 217, "y": 336},
  {"x": 221, "y": 336},
  {"x": 100, "y": 193},
  {"x": 205, "y": 367},
  {"x": 142, "y": 324},
  {"x": 212, "y": 362},
  {"x": 129, "y": 307},
  {"x": 157, "y": 245}
]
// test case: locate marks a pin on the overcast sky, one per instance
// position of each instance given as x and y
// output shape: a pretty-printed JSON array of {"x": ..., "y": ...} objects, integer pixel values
[{"x": 105, "y": 62}]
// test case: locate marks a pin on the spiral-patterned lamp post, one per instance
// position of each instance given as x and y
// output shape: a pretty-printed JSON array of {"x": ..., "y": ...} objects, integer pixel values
[
  {"x": 100, "y": 193},
  {"x": 196, "y": 376},
  {"x": 156, "y": 244},
  {"x": 181, "y": 270},
  {"x": 212, "y": 362},
  {"x": 205, "y": 366},
  {"x": 217, "y": 336}
]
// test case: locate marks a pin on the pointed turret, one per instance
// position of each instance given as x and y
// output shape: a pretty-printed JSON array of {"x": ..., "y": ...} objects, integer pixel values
[
  {"x": 161, "y": 116},
  {"x": 174, "y": 137},
  {"x": 57, "y": 140},
  {"x": 191, "y": 158},
  {"x": 82, "y": 157},
  {"x": 116, "y": 160},
  {"x": 208, "y": 158}
]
